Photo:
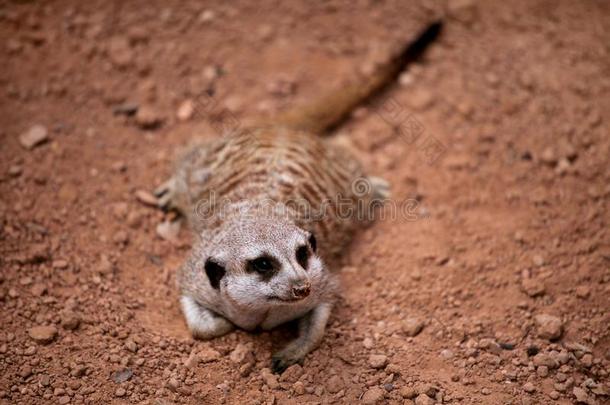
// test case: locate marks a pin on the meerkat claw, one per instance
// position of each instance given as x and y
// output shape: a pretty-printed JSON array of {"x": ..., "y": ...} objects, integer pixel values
[
  {"x": 279, "y": 363},
  {"x": 164, "y": 194},
  {"x": 380, "y": 188}
]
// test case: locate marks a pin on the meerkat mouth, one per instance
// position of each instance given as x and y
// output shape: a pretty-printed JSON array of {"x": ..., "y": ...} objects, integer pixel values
[{"x": 284, "y": 300}]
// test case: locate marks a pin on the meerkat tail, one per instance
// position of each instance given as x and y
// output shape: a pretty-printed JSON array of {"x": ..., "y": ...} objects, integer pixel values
[{"x": 330, "y": 110}]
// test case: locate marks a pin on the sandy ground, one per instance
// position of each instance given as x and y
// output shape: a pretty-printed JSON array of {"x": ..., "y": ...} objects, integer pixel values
[{"x": 494, "y": 291}]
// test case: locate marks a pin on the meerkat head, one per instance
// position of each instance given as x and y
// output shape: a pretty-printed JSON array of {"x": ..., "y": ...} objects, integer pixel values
[{"x": 258, "y": 261}]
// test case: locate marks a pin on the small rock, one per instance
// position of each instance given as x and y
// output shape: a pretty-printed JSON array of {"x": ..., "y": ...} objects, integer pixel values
[
  {"x": 173, "y": 384},
  {"x": 70, "y": 320},
  {"x": 68, "y": 193},
  {"x": 431, "y": 391},
  {"x": 127, "y": 109},
  {"x": 299, "y": 388},
  {"x": 15, "y": 170},
  {"x": 169, "y": 230},
  {"x": 192, "y": 361},
  {"x": 60, "y": 264},
  {"x": 25, "y": 372},
  {"x": 282, "y": 86},
  {"x": 446, "y": 354},
  {"x": 529, "y": 387},
  {"x": 121, "y": 238},
  {"x": 105, "y": 266},
  {"x": 269, "y": 378},
  {"x": 120, "y": 52},
  {"x": 131, "y": 346},
  {"x": 120, "y": 392},
  {"x": 408, "y": 392},
  {"x": 122, "y": 375},
  {"x": 538, "y": 260},
  {"x": 43, "y": 334},
  {"x": 412, "y": 326},
  {"x": 542, "y": 371},
  {"x": 33, "y": 137},
  {"x": 373, "y": 396},
  {"x": 532, "y": 287},
  {"x": 582, "y": 396},
  {"x": 38, "y": 253},
  {"x": 420, "y": 99},
  {"x": 549, "y": 327},
  {"x": 378, "y": 360},
  {"x": 185, "y": 110},
  {"x": 45, "y": 380},
  {"x": 587, "y": 360},
  {"x": 334, "y": 384},
  {"x": 423, "y": 399},
  {"x": 207, "y": 16},
  {"x": 148, "y": 118},
  {"x": 78, "y": 370},
  {"x": 208, "y": 355},
  {"x": 291, "y": 374},
  {"x": 38, "y": 289},
  {"x": 241, "y": 354},
  {"x": 25, "y": 280},
  {"x": 583, "y": 292},
  {"x": 554, "y": 395},
  {"x": 548, "y": 156},
  {"x": 544, "y": 360}
]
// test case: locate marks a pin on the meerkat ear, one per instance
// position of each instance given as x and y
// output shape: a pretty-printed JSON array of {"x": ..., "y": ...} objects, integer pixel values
[
  {"x": 312, "y": 242},
  {"x": 215, "y": 273}
]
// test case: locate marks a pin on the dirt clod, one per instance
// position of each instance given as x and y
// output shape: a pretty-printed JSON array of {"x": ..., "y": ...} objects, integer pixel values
[
  {"x": 70, "y": 320},
  {"x": 412, "y": 326},
  {"x": 43, "y": 334},
  {"x": 373, "y": 396},
  {"x": 548, "y": 326},
  {"x": 34, "y": 136},
  {"x": 378, "y": 360}
]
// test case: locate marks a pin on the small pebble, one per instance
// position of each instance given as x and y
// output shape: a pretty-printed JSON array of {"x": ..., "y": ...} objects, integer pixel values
[
  {"x": 378, "y": 360},
  {"x": 33, "y": 137},
  {"x": 549, "y": 327},
  {"x": 412, "y": 326},
  {"x": 373, "y": 396},
  {"x": 529, "y": 387},
  {"x": 43, "y": 334}
]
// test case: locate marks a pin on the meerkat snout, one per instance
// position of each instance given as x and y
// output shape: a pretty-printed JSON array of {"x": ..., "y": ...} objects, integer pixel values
[{"x": 301, "y": 289}]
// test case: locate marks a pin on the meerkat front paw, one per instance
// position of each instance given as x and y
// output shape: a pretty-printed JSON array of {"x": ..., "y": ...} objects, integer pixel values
[
  {"x": 311, "y": 331},
  {"x": 285, "y": 358},
  {"x": 203, "y": 323},
  {"x": 165, "y": 193},
  {"x": 380, "y": 188}
]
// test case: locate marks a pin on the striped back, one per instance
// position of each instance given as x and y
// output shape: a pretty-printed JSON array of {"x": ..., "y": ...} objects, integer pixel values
[{"x": 276, "y": 164}]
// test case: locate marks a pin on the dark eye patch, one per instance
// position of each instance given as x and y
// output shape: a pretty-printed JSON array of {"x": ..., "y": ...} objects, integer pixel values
[
  {"x": 264, "y": 265},
  {"x": 303, "y": 256},
  {"x": 215, "y": 273},
  {"x": 312, "y": 242}
]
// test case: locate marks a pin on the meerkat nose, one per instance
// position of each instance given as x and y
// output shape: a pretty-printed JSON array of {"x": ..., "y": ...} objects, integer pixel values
[{"x": 301, "y": 290}]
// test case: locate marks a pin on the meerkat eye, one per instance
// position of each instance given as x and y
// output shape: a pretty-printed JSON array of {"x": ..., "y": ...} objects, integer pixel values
[
  {"x": 312, "y": 242},
  {"x": 262, "y": 265},
  {"x": 303, "y": 256}
]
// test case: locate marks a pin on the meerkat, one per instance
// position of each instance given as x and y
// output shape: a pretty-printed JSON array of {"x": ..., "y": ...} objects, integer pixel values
[{"x": 264, "y": 204}]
